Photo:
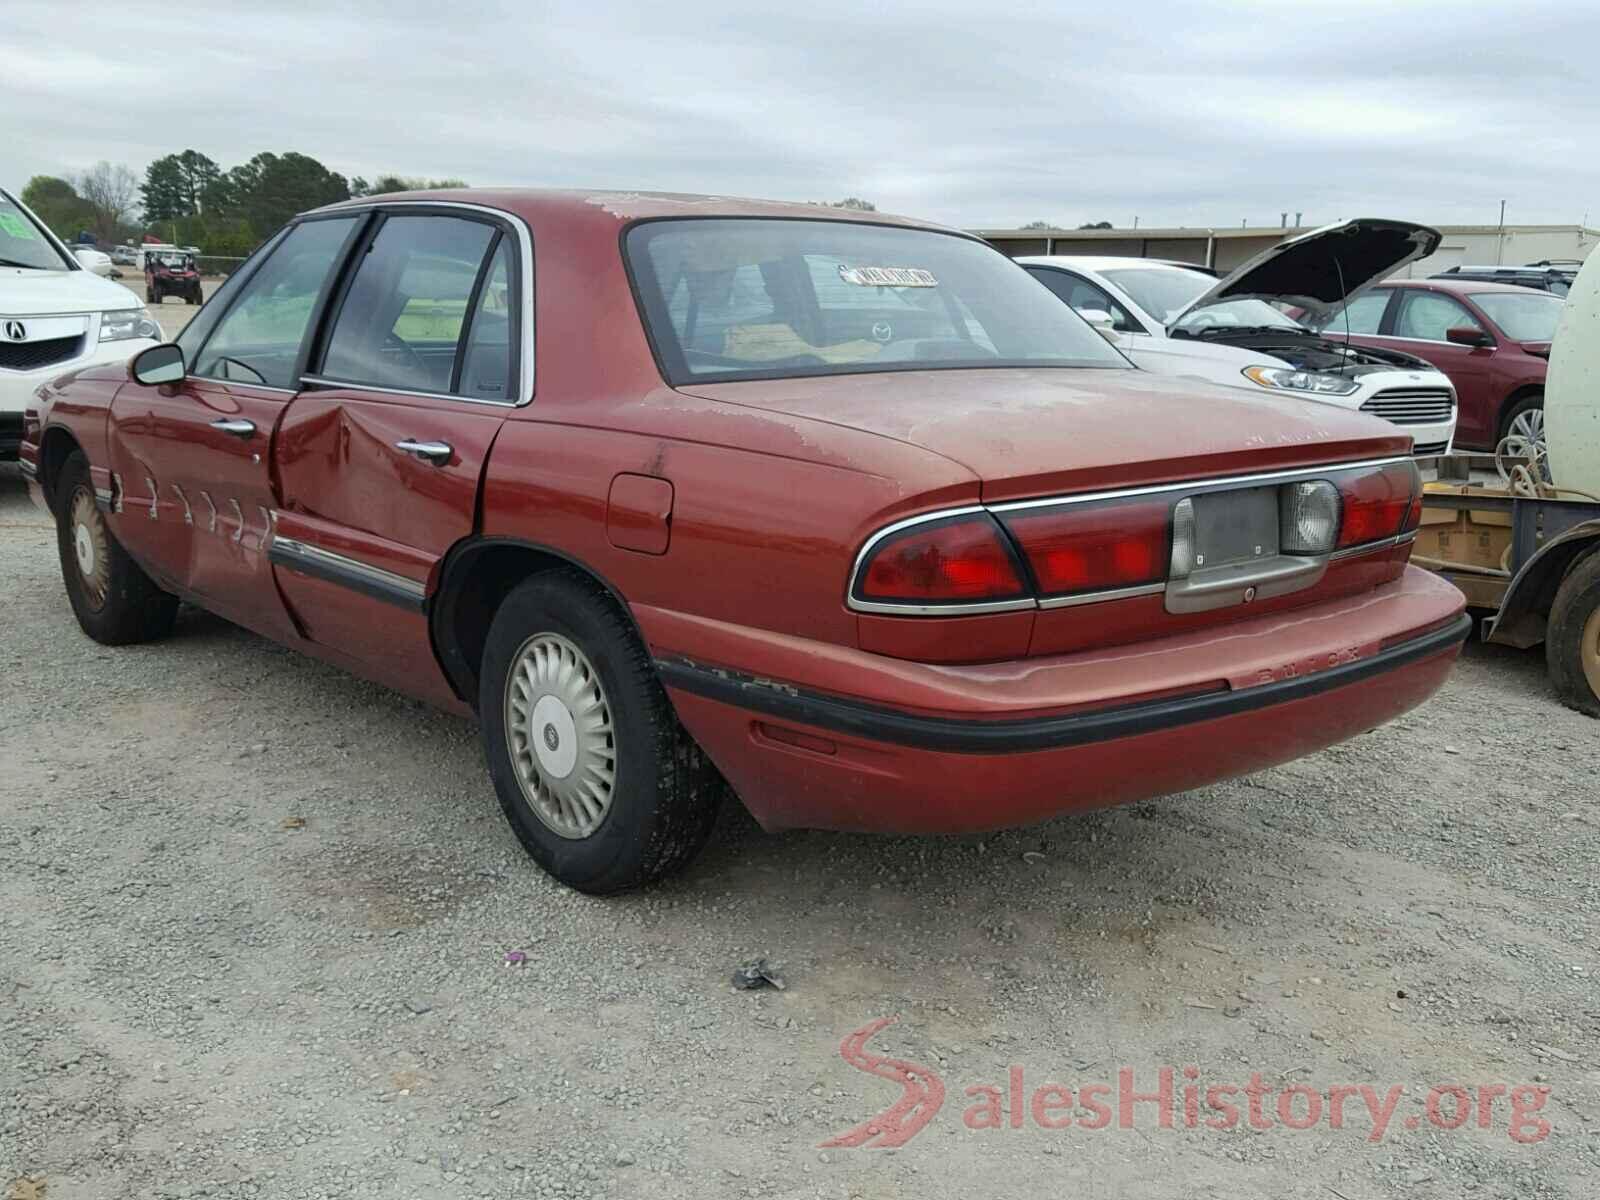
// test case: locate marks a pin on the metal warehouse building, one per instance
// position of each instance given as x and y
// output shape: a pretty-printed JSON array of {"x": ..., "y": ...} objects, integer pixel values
[{"x": 1225, "y": 249}]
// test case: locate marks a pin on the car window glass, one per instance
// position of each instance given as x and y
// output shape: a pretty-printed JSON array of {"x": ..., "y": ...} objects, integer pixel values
[
  {"x": 1364, "y": 313},
  {"x": 486, "y": 366},
  {"x": 400, "y": 324},
  {"x": 1427, "y": 315},
  {"x": 747, "y": 298},
  {"x": 258, "y": 341},
  {"x": 21, "y": 242},
  {"x": 1082, "y": 295},
  {"x": 1522, "y": 316}
]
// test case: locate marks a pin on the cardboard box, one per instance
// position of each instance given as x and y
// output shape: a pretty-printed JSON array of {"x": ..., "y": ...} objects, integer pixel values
[{"x": 1474, "y": 537}]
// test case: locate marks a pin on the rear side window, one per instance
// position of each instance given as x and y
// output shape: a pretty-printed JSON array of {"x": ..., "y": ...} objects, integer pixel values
[
  {"x": 406, "y": 322},
  {"x": 258, "y": 340},
  {"x": 1365, "y": 313},
  {"x": 769, "y": 299}
]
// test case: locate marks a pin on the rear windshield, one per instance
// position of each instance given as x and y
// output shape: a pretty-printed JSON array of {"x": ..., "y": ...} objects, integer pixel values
[
  {"x": 775, "y": 299},
  {"x": 1522, "y": 316}
]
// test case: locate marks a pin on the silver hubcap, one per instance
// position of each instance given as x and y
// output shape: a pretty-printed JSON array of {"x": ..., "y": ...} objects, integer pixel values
[
  {"x": 1529, "y": 426},
  {"x": 89, "y": 548},
  {"x": 558, "y": 726}
]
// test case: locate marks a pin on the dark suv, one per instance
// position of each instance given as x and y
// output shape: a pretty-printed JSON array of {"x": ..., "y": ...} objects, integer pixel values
[
  {"x": 171, "y": 273},
  {"x": 1552, "y": 277}
]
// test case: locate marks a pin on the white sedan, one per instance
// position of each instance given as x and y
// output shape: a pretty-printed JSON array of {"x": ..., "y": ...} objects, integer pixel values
[{"x": 1174, "y": 319}]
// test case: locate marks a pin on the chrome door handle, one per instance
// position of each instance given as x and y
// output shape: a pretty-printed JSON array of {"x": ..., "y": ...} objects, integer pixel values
[
  {"x": 438, "y": 453},
  {"x": 242, "y": 429}
]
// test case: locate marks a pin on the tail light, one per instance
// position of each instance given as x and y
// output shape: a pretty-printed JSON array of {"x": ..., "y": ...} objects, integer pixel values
[
  {"x": 1205, "y": 546},
  {"x": 1094, "y": 547},
  {"x": 1378, "y": 504},
  {"x": 961, "y": 561}
]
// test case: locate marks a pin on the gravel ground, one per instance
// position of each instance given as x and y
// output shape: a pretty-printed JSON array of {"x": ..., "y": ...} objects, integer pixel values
[
  {"x": 172, "y": 314},
  {"x": 254, "y": 916}
]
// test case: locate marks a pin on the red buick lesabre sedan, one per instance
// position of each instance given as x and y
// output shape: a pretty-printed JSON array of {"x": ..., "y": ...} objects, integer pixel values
[{"x": 844, "y": 510}]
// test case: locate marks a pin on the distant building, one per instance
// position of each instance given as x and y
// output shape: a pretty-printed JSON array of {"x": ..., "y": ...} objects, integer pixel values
[{"x": 1225, "y": 249}]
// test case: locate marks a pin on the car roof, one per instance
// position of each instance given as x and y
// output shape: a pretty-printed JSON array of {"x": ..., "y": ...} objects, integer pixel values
[
  {"x": 1100, "y": 262},
  {"x": 533, "y": 204},
  {"x": 1461, "y": 285}
]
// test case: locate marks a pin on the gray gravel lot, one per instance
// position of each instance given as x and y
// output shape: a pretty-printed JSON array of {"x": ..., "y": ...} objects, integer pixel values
[{"x": 254, "y": 915}]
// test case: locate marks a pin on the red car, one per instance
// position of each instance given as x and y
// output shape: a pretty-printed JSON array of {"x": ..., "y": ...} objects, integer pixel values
[
  {"x": 1492, "y": 339},
  {"x": 844, "y": 510}
]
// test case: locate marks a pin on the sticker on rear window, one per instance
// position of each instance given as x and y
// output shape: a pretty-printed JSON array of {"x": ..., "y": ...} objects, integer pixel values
[
  {"x": 888, "y": 276},
  {"x": 16, "y": 227}
]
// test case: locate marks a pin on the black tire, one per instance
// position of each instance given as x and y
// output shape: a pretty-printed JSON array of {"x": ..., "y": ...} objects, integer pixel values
[
  {"x": 1572, "y": 638},
  {"x": 125, "y": 606},
  {"x": 1527, "y": 403},
  {"x": 664, "y": 794}
]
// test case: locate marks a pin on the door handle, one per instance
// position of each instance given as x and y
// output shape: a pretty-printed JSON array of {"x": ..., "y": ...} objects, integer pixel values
[
  {"x": 438, "y": 453},
  {"x": 239, "y": 429}
]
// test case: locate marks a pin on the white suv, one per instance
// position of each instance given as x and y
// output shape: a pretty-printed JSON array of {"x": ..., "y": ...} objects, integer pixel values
[
  {"x": 55, "y": 315},
  {"x": 1176, "y": 319}
]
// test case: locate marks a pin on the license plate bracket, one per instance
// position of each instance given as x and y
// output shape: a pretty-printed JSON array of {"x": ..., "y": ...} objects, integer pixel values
[{"x": 1235, "y": 526}]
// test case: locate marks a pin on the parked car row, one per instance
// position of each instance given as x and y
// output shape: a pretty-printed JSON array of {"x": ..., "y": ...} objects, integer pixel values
[
  {"x": 679, "y": 493},
  {"x": 1177, "y": 320}
]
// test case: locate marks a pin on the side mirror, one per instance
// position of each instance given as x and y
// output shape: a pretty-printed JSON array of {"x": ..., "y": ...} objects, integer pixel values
[
  {"x": 159, "y": 364},
  {"x": 1104, "y": 323},
  {"x": 93, "y": 260},
  {"x": 1467, "y": 335}
]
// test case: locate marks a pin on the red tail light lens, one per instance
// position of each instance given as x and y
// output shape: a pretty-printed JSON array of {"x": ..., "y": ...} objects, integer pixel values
[
  {"x": 959, "y": 560},
  {"x": 1378, "y": 504},
  {"x": 1094, "y": 547}
]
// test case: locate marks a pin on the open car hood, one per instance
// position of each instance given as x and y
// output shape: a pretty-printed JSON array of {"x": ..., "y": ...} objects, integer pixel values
[{"x": 1320, "y": 270}]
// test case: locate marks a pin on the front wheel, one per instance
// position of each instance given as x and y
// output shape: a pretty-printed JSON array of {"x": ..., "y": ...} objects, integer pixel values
[
  {"x": 114, "y": 600},
  {"x": 1572, "y": 638},
  {"x": 602, "y": 786},
  {"x": 1525, "y": 422}
]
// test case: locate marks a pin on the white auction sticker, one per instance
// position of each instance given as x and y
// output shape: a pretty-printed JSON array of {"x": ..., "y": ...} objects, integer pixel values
[{"x": 888, "y": 276}]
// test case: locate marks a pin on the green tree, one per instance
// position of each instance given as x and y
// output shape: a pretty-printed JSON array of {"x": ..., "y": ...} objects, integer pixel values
[
  {"x": 854, "y": 202},
  {"x": 57, "y": 203},
  {"x": 271, "y": 188},
  {"x": 1096, "y": 225},
  {"x": 1040, "y": 225},
  {"x": 385, "y": 184},
  {"x": 181, "y": 185}
]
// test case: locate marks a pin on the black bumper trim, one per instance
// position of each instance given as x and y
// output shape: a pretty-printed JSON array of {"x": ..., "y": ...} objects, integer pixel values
[
  {"x": 357, "y": 576},
  {"x": 879, "y": 723}
]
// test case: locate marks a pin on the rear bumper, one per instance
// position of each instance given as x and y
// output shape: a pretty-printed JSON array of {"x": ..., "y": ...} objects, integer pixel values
[{"x": 998, "y": 752}]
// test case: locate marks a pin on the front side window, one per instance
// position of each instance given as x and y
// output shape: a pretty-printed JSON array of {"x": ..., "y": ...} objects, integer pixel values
[
  {"x": 760, "y": 299},
  {"x": 1084, "y": 296},
  {"x": 258, "y": 340},
  {"x": 401, "y": 323},
  {"x": 1524, "y": 317},
  {"x": 23, "y": 243},
  {"x": 1427, "y": 316}
]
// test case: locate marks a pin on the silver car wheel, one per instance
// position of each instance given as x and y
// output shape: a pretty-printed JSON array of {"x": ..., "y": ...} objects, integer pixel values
[
  {"x": 559, "y": 730},
  {"x": 1528, "y": 425}
]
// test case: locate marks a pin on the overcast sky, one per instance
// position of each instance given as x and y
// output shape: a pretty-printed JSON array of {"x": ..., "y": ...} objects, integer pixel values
[{"x": 977, "y": 115}]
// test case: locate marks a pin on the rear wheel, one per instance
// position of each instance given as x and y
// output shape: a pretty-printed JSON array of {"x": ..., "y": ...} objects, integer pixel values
[
  {"x": 114, "y": 600},
  {"x": 601, "y": 784},
  {"x": 1572, "y": 639}
]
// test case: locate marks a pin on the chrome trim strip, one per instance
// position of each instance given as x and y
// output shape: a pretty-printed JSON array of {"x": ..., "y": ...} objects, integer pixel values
[
  {"x": 291, "y": 548},
  {"x": 1192, "y": 487},
  {"x": 351, "y": 385},
  {"x": 1197, "y": 486},
  {"x": 525, "y": 363},
  {"x": 1367, "y": 547},
  {"x": 1072, "y": 601},
  {"x": 244, "y": 383},
  {"x": 31, "y": 469}
]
